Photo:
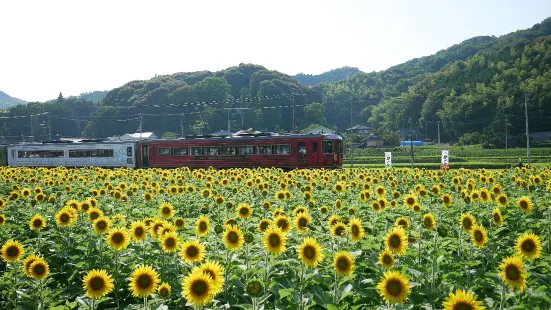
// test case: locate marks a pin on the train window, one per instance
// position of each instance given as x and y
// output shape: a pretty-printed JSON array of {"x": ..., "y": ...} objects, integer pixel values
[
  {"x": 282, "y": 149},
  {"x": 164, "y": 151},
  {"x": 40, "y": 154},
  {"x": 340, "y": 148},
  {"x": 265, "y": 149},
  {"x": 327, "y": 147},
  {"x": 90, "y": 153},
  {"x": 315, "y": 147},
  {"x": 228, "y": 150},
  {"x": 246, "y": 150},
  {"x": 196, "y": 150},
  {"x": 129, "y": 151},
  {"x": 212, "y": 150},
  {"x": 180, "y": 151}
]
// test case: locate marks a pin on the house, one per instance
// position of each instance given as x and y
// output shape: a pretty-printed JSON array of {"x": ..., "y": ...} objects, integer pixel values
[
  {"x": 136, "y": 136},
  {"x": 359, "y": 129},
  {"x": 373, "y": 141},
  {"x": 321, "y": 130}
]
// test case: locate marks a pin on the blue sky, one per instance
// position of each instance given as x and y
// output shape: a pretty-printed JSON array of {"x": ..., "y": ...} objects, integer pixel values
[{"x": 79, "y": 46}]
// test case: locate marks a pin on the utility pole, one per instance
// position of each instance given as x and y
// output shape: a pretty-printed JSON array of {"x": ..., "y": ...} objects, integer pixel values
[
  {"x": 32, "y": 129},
  {"x": 229, "y": 126},
  {"x": 141, "y": 124},
  {"x": 351, "y": 146},
  {"x": 182, "y": 125},
  {"x": 411, "y": 145},
  {"x": 506, "y": 134},
  {"x": 527, "y": 132},
  {"x": 49, "y": 127},
  {"x": 438, "y": 122},
  {"x": 294, "y": 116}
]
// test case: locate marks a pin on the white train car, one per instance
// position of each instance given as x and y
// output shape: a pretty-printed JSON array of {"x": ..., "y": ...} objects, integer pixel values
[{"x": 83, "y": 153}]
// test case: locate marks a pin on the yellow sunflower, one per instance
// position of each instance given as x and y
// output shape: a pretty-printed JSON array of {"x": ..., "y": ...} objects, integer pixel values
[
  {"x": 339, "y": 230},
  {"x": 97, "y": 283},
  {"x": 39, "y": 269},
  {"x": 301, "y": 221},
  {"x": 164, "y": 290},
  {"x": 65, "y": 217},
  {"x": 27, "y": 263},
  {"x": 410, "y": 200},
  {"x": 447, "y": 200},
  {"x": 479, "y": 236},
  {"x": 282, "y": 221},
  {"x": 166, "y": 210},
  {"x": 197, "y": 288},
  {"x": 310, "y": 252},
  {"x": 215, "y": 271},
  {"x": 37, "y": 222},
  {"x": 94, "y": 213},
  {"x": 233, "y": 238},
  {"x": 244, "y": 211},
  {"x": 462, "y": 300},
  {"x": 117, "y": 238},
  {"x": 179, "y": 222},
  {"x": 2, "y": 219},
  {"x": 386, "y": 259},
  {"x": 512, "y": 273},
  {"x": 343, "y": 263},
  {"x": 502, "y": 200},
  {"x": 202, "y": 225},
  {"x": 138, "y": 230},
  {"x": 525, "y": 204},
  {"x": 380, "y": 191},
  {"x": 143, "y": 281},
  {"x": 467, "y": 221},
  {"x": 394, "y": 287},
  {"x": 192, "y": 251},
  {"x": 274, "y": 240},
  {"x": 169, "y": 242},
  {"x": 12, "y": 251},
  {"x": 428, "y": 221},
  {"x": 356, "y": 230},
  {"x": 403, "y": 222},
  {"x": 497, "y": 218},
  {"x": 529, "y": 246},
  {"x": 101, "y": 224},
  {"x": 263, "y": 224},
  {"x": 396, "y": 241}
]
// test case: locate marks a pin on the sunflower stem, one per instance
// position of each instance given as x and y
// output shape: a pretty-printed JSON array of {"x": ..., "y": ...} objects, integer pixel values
[
  {"x": 15, "y": 284},
  {"x": 145, "y": 303},
  {"x": 301, "y": 286},
  {"x": 116, "y": 273},
  {"x": 335, "y": 287},
  {"x": 40, "y": 296},
  {"x": 93, "y": 303},
  {"x": 266, "y": 273},
  {"x": 502, "y": 295}
]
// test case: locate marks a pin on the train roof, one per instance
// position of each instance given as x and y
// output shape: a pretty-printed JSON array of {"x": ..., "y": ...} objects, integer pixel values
[
  {"x": 72, "y": 142},
  {"x": 244, "y": 137}
]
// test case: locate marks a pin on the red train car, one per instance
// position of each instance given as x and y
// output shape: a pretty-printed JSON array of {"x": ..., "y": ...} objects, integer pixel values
[{"x": 244, "y": 151}]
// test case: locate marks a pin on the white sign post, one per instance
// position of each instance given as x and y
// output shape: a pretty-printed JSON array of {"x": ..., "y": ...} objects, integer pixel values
[
  {"x": 388, "y": 159},
  {"x": 445, "y": 159}
]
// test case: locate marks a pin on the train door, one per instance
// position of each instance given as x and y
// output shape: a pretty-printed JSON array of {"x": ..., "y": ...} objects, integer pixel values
[
  {"x": 315, "y": 155},
  {"x": 302, "y": 154},
  {"x": 145, "y": 155}
]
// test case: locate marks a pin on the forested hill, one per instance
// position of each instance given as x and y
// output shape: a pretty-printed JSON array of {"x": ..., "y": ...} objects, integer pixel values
[
  {"x": 468, "y": 88},
  {"x": 7, "y": 101},
  {"x": 334, "y": 75}
]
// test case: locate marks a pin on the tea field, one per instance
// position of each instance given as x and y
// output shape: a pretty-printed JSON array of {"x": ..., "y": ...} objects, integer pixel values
[{"x": 357, "y": 238}]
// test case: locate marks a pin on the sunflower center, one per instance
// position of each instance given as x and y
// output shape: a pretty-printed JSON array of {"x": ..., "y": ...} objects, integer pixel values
[
  {"x": 339, "y": 231},
  {"x": 166, "y": 210},
  {"x": 446, "y": 199},
  {"x": 497, "y": 218},
  {"x": 478, "y": 235},
  {"x": 117, "y": 237},
  {"x": 461, "y": 305},
  {"x": 355, "y": 230},
  {"x": 342, "y": 264},
  {"x": 163, "y": 292},
  {"x": 192, "y": 251},
  {"x": 394, "y": 287},
  {"x": 243, "y": 211},
  {"x": 233, "y": 237},
  {"x": 282, "y": 223},
  {"x": 97, "y": 283},
  {"x": 309, "y": 252},
  {"x": 101, "y": 225},
  {"x": 395, "y": 241},
  {"x": 467, "y": 223},
  {"x": 37, "y": 223},
  {"x": 170, "y": 242},
  {"x": 427, "y": 222},
  {"x": 144, "y": 281},
  {"x": 528, "y": 246},
  {"x": 64, "y": 217},
  {"x": 387, "y": 259},
  {"x": 210, "y": 273},
  {"x": 274, "y": 240},
  {"x": 202, "y": 226},
  {"x": 512, "y": 273},
  {"x": 138, "y": 231},
  {"x": 94, "y": 215},
  {"x": 179, "y": 223},
  {"x": 199, "y": 287},
  {"x": 12, "y": 251},
  {"x": 264, "y": 225},
  {"x": 39, "y": 269},
  {"x": 523, "y": 204},
  {"x": 502, "y": 199}
]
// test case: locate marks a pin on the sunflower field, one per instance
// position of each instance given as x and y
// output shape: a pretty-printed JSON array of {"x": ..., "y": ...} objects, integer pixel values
[{"x": 95, "y": 238}]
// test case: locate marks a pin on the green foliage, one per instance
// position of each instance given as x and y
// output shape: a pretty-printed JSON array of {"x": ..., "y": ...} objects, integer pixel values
[
  {"x": 169, "y": 135},
  {"x": 334, "y": 75}
]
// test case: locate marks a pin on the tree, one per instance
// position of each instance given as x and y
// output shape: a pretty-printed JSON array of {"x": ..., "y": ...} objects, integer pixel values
[
  {"x": 169, "y": 135},
  {"x": 314, "y": 113}
]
